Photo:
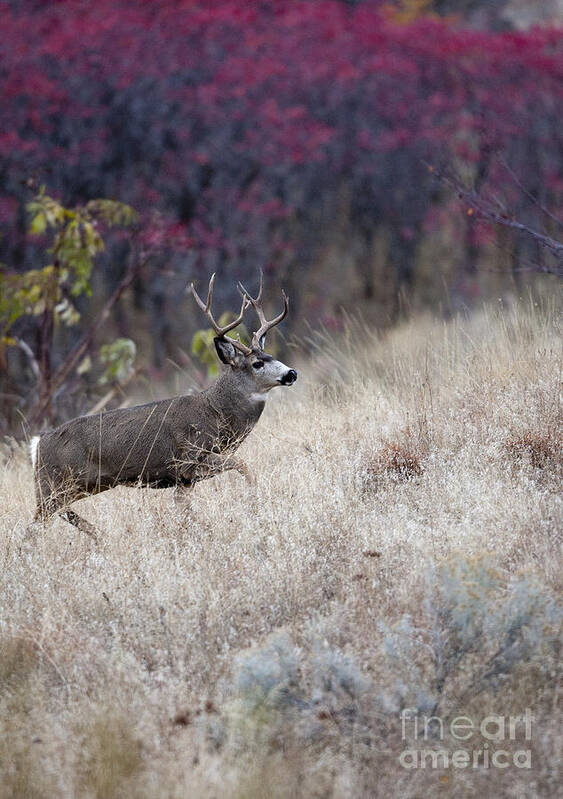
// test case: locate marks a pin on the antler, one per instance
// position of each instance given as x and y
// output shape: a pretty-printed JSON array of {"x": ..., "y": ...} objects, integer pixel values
[
  {"x": 221, "y": 331},
  {"x": 265, "y": 325}
]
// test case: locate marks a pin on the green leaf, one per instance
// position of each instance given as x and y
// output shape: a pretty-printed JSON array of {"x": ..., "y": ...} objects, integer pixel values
[
  {"x": 38, "y": 224},
  {"x": 118, "y": 358},
  {"x": 66, "y": 312},
  {"x": 203, "y": 347},
  {"x": 84, "y": 366}
]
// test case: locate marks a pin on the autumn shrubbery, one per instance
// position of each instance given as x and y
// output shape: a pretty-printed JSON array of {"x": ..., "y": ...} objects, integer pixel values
[{"x": 288, "y": 134}]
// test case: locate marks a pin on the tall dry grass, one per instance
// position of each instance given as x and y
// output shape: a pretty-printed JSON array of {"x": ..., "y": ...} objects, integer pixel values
[{"x": 399, "y": 553}]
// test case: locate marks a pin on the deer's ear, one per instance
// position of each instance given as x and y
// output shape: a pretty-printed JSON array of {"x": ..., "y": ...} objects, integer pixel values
[{"x": 225, "y": 350}]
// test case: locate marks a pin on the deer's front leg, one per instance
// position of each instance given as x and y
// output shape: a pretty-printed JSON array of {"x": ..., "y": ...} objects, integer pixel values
[{"x": 215, "y": 464}]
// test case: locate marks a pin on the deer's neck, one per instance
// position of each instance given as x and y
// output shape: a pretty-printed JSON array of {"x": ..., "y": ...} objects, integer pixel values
[{"x": 236, "y": 402}]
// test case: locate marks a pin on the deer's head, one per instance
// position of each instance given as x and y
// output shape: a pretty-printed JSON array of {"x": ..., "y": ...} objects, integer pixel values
[{"x": 254, "y": 368}]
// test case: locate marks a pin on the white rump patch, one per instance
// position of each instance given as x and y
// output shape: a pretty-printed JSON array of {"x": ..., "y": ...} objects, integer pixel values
[{"x": 33, "y": 447}]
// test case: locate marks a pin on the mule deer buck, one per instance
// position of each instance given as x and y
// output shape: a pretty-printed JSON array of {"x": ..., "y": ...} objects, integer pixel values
[{"x": 172, "y": 442}]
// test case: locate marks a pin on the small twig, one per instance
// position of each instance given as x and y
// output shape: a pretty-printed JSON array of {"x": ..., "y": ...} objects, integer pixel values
[
  {"x": 85, "y": 342},
  {"x": 529, "y": 194},
  {"x": 101, "y": 404}
]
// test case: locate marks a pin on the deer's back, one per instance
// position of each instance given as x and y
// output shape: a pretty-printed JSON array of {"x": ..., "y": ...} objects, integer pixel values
[{"x": 125, "y": 445}]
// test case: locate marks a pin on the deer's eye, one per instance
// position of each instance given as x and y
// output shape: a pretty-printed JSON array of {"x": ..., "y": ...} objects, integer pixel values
[{"x": 258, "y": 364}]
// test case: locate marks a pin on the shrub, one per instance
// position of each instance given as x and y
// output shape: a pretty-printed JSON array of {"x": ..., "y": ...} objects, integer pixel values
[
  {"x": 280, "y": 693},
  {"x": 401, "y": 458},
  {"x": 543, "y": 450},
  {"x": 476, "y": 631}
]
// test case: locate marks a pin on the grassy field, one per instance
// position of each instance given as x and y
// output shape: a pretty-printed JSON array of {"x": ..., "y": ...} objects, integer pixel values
[{"x": 397, "y": 559}]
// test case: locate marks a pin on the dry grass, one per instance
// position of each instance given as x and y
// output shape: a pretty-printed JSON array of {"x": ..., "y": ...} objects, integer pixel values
[
  {"x": 399, "y": 550},
  {"x": 402, "y": 457},
  {"x": 544, "y": 448}
]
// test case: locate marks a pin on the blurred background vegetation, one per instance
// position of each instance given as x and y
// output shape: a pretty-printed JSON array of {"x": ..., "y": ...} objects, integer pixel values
[{"x": 382, "y": 158}]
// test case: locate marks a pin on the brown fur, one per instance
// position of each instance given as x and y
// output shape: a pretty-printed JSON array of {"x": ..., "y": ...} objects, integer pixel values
[{"x": 172, "y": 442}]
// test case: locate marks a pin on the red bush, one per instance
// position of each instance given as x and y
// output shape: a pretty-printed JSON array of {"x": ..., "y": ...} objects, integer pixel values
[{"x": 243, "y": 121}]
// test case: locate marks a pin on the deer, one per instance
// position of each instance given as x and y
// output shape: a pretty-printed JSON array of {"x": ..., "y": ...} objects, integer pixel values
[{"x": 175, "y": 442}]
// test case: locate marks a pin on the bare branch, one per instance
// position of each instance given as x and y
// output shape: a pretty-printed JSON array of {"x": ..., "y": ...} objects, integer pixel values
[
  {"x": 529, "y": 194},
  {"x": 493, "y": 211},
  {"x": 117, "y": 389}
]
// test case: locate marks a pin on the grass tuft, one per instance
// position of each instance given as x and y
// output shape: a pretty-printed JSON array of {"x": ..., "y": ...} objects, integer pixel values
[
  {"x": 541, "y": 450},
  {"x": 399, "y": 458}
]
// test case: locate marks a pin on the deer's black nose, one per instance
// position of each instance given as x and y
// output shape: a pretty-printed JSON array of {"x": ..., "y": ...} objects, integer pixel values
[{"x": 289, "y": 378}]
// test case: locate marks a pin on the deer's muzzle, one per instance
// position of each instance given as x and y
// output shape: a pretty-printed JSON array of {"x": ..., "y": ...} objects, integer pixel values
[{"x": 289, "y": 378}]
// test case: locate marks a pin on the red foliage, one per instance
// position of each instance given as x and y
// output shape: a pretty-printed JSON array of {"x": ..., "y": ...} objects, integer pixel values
[{"x": 241, "y": 121}]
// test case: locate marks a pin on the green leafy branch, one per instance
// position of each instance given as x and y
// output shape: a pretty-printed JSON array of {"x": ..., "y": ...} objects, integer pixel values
[
  {"x": 76, "y": 243},
  {"x": 49, "y": 293}
]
